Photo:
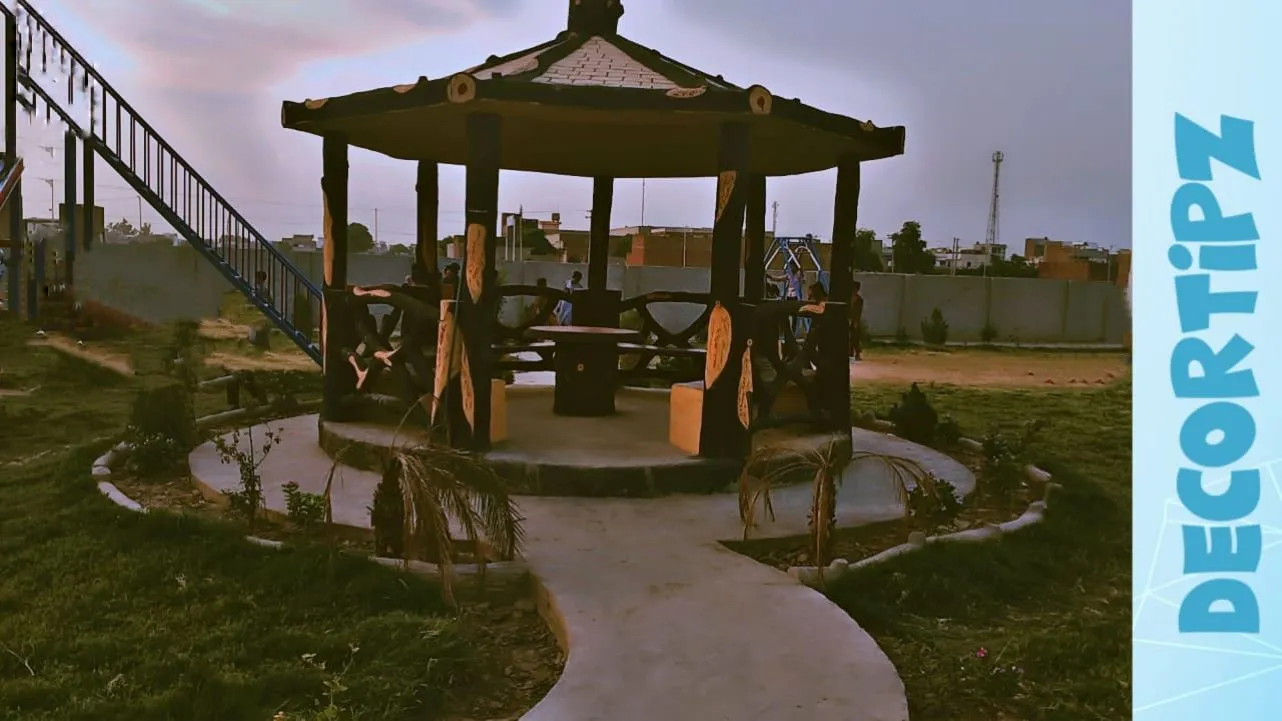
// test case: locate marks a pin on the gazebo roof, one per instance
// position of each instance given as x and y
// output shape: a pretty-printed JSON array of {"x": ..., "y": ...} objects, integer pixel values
[{"x": 593, "y": 103}]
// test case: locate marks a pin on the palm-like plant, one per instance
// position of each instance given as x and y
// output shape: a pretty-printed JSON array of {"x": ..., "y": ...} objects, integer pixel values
[
  {"x": 771, "y": 466},
  {"x": 435, "y": 487}
]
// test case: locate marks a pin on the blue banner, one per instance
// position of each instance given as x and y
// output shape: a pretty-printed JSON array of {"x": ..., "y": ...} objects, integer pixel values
[{"x": 1207, "y": 322}]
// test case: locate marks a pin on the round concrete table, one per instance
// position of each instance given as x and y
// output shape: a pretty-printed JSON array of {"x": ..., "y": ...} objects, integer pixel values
[{"x": 586, "y": 365}]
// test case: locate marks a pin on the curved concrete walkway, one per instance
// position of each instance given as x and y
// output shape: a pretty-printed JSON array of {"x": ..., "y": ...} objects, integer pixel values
[{"x": 661, "y": 620}]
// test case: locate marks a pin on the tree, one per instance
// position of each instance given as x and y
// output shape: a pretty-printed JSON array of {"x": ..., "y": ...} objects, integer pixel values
[
  {"x": 122, "y": 228},
  {"x": 359, "y": 239},
  {"x": 535, "y": 241},
  {"x": 909, "y": 251},
  {"x": 399, "y": 249},
  {"x": 867, "y": 251}
]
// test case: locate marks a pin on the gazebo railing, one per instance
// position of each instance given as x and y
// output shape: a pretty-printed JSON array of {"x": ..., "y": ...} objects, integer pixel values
[
  {"x": 510, "y": 340},
  {"x": 393, "y": 357},
  {"x": 681, "y": 357}
]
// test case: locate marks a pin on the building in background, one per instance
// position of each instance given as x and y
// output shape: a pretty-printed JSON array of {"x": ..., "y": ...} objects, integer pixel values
[{"x": 1064, "y": 260}]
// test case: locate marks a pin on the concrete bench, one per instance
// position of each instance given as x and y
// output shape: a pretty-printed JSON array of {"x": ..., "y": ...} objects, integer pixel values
[{"x": 685, "y": 412}]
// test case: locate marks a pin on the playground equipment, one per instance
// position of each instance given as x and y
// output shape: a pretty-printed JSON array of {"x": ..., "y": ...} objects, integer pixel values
[{"x": 38, "y": 57}]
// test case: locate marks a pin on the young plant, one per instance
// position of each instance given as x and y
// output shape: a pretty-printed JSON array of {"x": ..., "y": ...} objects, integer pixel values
[
  {"x": 914, "y": 417},
  {"x": 241, "y": 450},
  {"x": 988, "y": 334},
  {"x": 934, "y": 330},
  {"x": 947, "y": 432},
  {"x": 1004, "y": 461},
  {"x": 932, "y": 503},
  {"x": 305, "y": 510},
  {"x": 164, "y": 408},
  {"x": 152, "y": 454},
  {"x": 438, "y": 486},
  {"x": 773, "y": 465}
]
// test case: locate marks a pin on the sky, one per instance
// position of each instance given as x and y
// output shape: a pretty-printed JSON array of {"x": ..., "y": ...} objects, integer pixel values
[{"x": 1047, "y": 83}]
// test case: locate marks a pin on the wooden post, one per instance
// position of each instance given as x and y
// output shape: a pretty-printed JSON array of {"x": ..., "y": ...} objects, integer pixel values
[
  {"x": 721, "y": 434},
  {"x": 69, "y": 204},
  {"x": 597, "y": 305},
  {"x": 15, "y": 270},
  {"x": 834, "y": 382},
  {"x": 479, "y": 292},
  {"x": 599, "y": 234},
  {"x": 426, "y": 268},
  {"x": 89, "y": 226},
  {"x": 754, "y": 257},
  {"x": 339, "y": 376}
]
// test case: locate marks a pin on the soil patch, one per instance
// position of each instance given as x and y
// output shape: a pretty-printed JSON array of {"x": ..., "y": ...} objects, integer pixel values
[
  {"x": 261, "y": 361},
  {"x": 521, "y": 660},
  {"x": 1010, "y": 369},
  {"x": 111, "y": 361}
]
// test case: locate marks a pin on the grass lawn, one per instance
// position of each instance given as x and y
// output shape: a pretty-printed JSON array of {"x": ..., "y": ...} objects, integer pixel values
[
  {"x": 106, "y": 614},
  {"x": 1037, "y": 625}
]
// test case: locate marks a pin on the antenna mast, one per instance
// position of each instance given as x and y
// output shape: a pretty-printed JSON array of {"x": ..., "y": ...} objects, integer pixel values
[{"x": 991, "y": 238}]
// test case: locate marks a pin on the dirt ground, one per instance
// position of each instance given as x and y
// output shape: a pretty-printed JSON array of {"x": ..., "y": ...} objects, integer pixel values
[{"x": 990, "y": 368}]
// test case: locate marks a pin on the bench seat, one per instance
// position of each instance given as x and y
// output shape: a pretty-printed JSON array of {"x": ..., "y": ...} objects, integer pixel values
[{"x": 632, "y": 348}]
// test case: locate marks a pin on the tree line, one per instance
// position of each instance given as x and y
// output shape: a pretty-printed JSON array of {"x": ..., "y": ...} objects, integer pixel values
[{"x": 908, "y": 254}]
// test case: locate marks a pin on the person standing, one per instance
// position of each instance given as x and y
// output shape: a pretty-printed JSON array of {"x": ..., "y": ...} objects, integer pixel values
[
  {"x": 565, "y": 309},
  {"x": 856, "y": 322}
]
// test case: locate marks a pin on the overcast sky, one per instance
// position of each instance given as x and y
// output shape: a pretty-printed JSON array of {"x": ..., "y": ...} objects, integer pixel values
[{"x": 1047, "y": 83}]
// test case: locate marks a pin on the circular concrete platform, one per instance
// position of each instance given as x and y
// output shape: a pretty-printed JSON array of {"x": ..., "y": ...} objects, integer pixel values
[{"x": 625, "y": 455}]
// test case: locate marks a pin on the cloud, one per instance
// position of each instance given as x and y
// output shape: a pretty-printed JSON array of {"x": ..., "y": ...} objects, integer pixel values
[
  {"x": 204, "y": 70},
  {"x": 248, "y": 45}
]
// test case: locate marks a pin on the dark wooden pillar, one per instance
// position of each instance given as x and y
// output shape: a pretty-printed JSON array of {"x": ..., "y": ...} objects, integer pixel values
[
  {"x": 721, "y": 434},
  {"x": 835, "y": 342},
  {"x": 478, "y": 295},
  {"x": 599, "y": 234},
  {"x": 15, "y": 271},
  {"x": 426, "y": 269},
  {"x": 598, "y": 305},
  {"x": 69, "y": 205},
  {"x": 339, "y": 376},
  {"x": 754, "y": 256},
  {"x": 89, "y": 226}
]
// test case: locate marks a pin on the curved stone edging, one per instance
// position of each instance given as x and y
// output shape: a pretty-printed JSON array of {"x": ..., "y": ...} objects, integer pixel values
[
  {"x": 1036, "y": 513},
  {"x": 504, "y": 576}
]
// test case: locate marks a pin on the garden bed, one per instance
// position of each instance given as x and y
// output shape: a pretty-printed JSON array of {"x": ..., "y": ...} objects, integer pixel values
[
  {"x": 522, "y": 658},
  {"x": 979, "y": 510}
]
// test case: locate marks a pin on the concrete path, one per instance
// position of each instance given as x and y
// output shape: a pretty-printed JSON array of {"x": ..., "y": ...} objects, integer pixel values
[{"x": 662, "y": 621}]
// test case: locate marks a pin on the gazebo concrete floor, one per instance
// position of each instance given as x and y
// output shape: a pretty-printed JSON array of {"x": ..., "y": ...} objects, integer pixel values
[{"x": 544, "y": 454}]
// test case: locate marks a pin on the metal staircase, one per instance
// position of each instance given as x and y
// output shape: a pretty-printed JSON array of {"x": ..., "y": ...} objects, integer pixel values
[{"x": 88, "y": 105}]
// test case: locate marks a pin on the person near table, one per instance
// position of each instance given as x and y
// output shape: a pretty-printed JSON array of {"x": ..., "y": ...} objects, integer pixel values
[
  {"x": 565, "y": 309},
  {"x": 535, "y": 310}
]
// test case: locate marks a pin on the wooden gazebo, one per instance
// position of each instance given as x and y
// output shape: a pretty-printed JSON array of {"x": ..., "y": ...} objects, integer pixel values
[{"x": 592, "y": 103}]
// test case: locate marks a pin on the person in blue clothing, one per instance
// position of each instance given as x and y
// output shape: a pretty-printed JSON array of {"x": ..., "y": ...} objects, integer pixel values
[{"x": 564, "y": 309}]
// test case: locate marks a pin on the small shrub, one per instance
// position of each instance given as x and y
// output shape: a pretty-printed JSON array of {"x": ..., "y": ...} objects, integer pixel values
[
  {"x": 152, "y": 454},
  {"x": 934, "y": 330},
  {"x": 1004, "y": 461},
  {"x": 387, "y": 516},
  {"x": 947, "y": 432},
  {"x": 164, "y": 408},
  {"x": 914, "y": 417},
  {"x": 247, "y": 499},
  {"x": 932, "y": 504},
  {"x": 901, "y": 335},
  {"x": 304, "y": 509},
  {"x": 988, "y": 334}
]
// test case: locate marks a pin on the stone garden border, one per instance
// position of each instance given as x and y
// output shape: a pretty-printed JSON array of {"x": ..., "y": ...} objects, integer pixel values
[
  {"x": 1036, "y": 513},
  {"x": 505, "y": 579}
]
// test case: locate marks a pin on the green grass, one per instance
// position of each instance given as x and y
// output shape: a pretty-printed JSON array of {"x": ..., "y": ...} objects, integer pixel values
[
  {"x": 1049, "y": 607},
  {"x": 107, "y": 614}
]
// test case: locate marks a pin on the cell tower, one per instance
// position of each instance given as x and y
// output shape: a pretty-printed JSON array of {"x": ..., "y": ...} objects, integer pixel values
[{"x": 991, "y": 238}]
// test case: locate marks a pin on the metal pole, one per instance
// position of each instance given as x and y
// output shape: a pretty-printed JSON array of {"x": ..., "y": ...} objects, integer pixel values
[{"x": 643, "y": 202}]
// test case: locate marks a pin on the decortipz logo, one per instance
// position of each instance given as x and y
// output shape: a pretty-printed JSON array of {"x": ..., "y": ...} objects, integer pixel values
[{"x": 1219, "y": 433}]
